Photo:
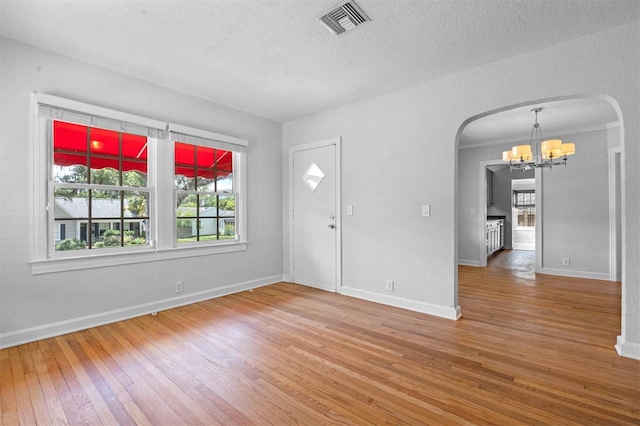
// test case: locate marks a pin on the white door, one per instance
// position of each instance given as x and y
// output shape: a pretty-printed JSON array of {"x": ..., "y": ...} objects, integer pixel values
[{"x": 314, "y": 240}]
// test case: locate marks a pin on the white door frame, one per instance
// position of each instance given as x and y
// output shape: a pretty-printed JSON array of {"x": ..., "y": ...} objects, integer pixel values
[
  {"x": 614, "y": 213},
  {"x": 338, "y": 220}
]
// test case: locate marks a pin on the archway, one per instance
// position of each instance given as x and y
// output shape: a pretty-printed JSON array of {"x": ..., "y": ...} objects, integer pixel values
[{"x": 485, "y": 135}]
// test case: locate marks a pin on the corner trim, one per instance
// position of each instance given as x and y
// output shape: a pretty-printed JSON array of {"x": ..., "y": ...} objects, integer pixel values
[
  {"x": 448, "y": 312},
  {"x": 627, "y": 349},
  {"x": 32, "y": 334}
]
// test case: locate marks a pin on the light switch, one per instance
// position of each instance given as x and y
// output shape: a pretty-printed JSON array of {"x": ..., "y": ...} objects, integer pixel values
[
  {"x": 349, "y": 210},
  {"x": 426, "y": 210}
]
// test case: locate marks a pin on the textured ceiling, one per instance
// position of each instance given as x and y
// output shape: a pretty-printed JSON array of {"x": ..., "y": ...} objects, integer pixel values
[{"x": 274, "y": 59}]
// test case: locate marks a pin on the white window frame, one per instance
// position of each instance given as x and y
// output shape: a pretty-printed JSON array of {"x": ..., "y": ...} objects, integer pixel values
[
  {"x": 160, "y": 185},
  {"x": 198, "y": 137}
]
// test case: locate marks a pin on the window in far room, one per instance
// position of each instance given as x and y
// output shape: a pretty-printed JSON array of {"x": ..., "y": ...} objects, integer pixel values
[{"x": 524, "y": 202}]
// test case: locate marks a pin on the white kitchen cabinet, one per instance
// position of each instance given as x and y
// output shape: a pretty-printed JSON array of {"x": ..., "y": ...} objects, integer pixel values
[{"x": 494, "y": 235}]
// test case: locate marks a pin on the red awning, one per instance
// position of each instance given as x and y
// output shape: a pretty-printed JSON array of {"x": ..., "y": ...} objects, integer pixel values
[
  {"x": 71, "y": 142},
  {"x": 209, "y": 162}
]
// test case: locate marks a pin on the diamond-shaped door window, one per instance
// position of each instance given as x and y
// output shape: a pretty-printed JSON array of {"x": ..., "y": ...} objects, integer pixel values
[{"x": 313, "y": 176}]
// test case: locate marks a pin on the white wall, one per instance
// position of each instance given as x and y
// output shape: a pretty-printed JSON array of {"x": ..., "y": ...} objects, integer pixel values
[
  {"x": 399, "y": 151},
  {"x": 575, "y": 205},
  {"x": 33, "y": 306}
]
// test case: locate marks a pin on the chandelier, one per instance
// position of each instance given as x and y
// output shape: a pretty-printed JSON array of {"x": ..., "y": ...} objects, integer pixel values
[{"x": 538, "y": 153}]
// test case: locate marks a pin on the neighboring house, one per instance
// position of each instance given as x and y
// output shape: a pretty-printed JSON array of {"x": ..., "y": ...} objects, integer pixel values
[
  {"x": 71, "y": 214},
  {"x": 187, "y": 224},
  {"x": 71, "y": 222}
]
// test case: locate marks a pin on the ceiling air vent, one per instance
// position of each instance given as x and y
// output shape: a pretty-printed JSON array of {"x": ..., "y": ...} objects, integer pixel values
[{"x": 344, "y": 18}]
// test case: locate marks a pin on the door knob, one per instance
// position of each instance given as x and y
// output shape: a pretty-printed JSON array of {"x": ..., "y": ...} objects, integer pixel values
[{"x": 332, "y": 226}]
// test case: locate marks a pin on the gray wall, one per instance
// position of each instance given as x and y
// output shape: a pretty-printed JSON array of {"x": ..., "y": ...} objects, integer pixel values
[
  {"x": 29, "y": 304},
  {"x": 575, "y": 205},
  {"x": 402, "y": 147}
]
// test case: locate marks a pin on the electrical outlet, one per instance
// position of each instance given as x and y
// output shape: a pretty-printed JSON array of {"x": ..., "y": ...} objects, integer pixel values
[
  {"x": 389, "y": 285},
  {"x": 566, "y": 261},
  {"x": 179, "y": 286}
]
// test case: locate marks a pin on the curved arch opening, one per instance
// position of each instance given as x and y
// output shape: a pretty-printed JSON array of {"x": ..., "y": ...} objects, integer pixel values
[{"x": 479, "y": 143}]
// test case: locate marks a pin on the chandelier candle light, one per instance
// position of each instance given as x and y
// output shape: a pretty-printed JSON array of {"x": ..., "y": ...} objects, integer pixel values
[{"x": 538, "y": 154}]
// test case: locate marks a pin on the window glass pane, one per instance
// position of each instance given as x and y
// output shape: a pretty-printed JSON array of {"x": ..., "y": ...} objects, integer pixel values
[
  {"x": 69, "y": 168},
  {"x": 135, "y": 232},
  {"x": 227, "y": 205},
  {"x": 227, "y": 221},
  {"x": 104, "y": 142},
  {"x": 105, "y": 171},
  {"x": 71, "y": 207},
  {"x": 228, "y": 228},
  {"x": 208, "y": 229},
  {"x": 136, "y": 204},
  {"x": 225, "y": 183},
  {"x": 206, "y": 157},
  {"x": 105, "y": 204},
  {"x": 71, "y": 204},
  {"x": 185, "y": 155},
  {"x": 133, "y": 177},
  {"x": 186, "y": 230},
  {"x": 186, "y": 205},
  {"x": 224, "y": 160},
  {"x": 527, "y": 217},
  {"x": 105, "y": 235},
  {"x": 69, "y": 137},
  {"x": 206, "y": 180},
  {"x": 134, "y": 146},
  {"x": 183, "y": 179},
  {"x": 208, "y": 205}
]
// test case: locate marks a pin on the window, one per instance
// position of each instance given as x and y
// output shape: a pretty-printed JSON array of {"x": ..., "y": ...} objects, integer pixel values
[
  {"x": 103, "y": 182},
  {"x": 206, "y": 186},
  {"x": 100, "y": 191},
  {"x": 524, "y": 202}
]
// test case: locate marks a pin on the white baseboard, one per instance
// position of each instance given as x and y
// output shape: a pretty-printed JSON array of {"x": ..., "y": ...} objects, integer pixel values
[
  {"x": 32, "y": 334},
  {"x": 466, "y": 262},
  {"x": 448, "y": 312},
  {"x": 627, "y": 349},
  {"x": 575, "y": 274}
]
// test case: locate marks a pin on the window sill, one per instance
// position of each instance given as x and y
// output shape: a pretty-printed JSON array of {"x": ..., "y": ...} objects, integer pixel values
[{"x": 47, "y": 266}]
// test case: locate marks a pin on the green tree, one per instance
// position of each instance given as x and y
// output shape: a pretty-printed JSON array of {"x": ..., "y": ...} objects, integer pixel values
[
  {"x": 137, "y": 205},
  {"x": 227, "y": 203}
]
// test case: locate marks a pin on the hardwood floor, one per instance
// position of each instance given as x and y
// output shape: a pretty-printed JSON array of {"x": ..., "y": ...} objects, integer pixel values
[
  {"x": 521, "y": 260},
  {"x": 527, "y": 351}
]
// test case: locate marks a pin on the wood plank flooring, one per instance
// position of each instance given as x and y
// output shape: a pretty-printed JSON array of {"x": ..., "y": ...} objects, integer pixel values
[
  {"x": 521, "y": 260},
  {"x": 527, "y": 351}
]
